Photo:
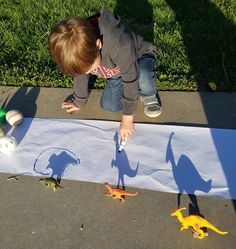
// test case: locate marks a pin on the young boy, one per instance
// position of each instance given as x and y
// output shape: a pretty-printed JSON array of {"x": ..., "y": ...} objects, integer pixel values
[{"x": 101, "y": 45}]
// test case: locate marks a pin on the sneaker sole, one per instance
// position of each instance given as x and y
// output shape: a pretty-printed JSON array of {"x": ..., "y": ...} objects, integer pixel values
[{"x": 153, "y": 115}]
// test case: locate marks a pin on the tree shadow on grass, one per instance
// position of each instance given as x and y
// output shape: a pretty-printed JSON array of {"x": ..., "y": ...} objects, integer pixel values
[
  {"x": 209, "y": 39},
  {"x": 138, "y": 15}
]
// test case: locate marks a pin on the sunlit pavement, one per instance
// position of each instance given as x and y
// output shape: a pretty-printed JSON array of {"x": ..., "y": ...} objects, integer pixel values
[{"x": 80, "y": 216}]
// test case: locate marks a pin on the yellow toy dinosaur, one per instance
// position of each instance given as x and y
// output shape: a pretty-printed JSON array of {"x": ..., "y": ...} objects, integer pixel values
[
  {"x": 117, "y": 193},
  {"x": 196, "y": 222}
]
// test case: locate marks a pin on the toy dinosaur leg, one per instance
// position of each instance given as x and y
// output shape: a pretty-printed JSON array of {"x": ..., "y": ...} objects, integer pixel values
[
  {"x": 122, "y": 199},
  {"x": 196, "y": 227},
  {"x": 183, "y": 227},
  {"x": 195, "y": 232},
  {"x": 198, "y": 235},
  {"x": 58, "y": 179},
  {"x": 201, "y": 234}
]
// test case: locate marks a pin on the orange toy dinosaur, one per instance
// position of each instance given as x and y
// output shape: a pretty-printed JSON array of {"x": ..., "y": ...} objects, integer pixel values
[
  {"x": 196, "y": 222},
  {"x": 117, "y": 193}
]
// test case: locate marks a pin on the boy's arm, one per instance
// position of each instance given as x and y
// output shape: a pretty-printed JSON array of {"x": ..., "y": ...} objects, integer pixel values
[
  {"x": 125, "y": 57},
  {"x": 130, "y": 76},
  {"x": 130, "y": 92},
  {"x": 80, "y": 92}
]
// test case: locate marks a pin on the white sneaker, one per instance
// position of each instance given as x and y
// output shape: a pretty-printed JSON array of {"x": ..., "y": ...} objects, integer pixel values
[{"x": 152, "y": 107}]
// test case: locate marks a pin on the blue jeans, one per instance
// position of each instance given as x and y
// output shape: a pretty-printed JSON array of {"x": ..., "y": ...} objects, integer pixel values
[{"x": 112, "y": 93}]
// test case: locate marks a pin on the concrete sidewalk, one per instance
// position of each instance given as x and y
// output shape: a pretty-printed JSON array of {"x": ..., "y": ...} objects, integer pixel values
[
  {"x": 79, "y": 216},
  {"x": 181, "y": 108}
]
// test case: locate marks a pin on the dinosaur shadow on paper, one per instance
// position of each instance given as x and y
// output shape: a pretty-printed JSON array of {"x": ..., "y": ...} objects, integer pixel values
[
  {"x": 209, "y": 36},
  {"x": 187, "y": 178},
  {"x": 121, "y": 162},
  {"x": 57, "y": 160}
]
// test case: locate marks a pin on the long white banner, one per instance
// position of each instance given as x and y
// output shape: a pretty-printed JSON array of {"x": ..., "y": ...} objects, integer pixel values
[{"x": 174, "y": 159}]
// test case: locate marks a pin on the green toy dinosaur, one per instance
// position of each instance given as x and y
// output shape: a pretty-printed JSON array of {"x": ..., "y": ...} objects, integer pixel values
[{"x": 50, "y": 183}]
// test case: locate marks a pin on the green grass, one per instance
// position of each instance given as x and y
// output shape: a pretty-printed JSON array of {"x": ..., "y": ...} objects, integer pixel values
[{"x": 195, "y": 40}]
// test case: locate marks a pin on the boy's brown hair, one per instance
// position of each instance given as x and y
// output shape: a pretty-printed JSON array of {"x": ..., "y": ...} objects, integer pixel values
[{"x": 72, "y": 44}]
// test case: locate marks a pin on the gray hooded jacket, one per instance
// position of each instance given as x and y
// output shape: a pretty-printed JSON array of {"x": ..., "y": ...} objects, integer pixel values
[{"x": 120, "y": 52}]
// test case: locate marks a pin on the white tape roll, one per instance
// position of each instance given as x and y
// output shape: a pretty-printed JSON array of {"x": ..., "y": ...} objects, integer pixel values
[{"x": 7, "y": 144}]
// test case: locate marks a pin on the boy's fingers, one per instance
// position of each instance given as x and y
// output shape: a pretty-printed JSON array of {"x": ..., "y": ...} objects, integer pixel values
[
  {"x": 65, "y": 104},
  {"x": 124, "y": 137},
  {"x": 72, "y": 109}
]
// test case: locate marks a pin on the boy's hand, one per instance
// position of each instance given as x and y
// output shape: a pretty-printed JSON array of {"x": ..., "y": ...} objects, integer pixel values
[
  {"x": 69, "y": 106},
  {"x": 126, "y": 127}
]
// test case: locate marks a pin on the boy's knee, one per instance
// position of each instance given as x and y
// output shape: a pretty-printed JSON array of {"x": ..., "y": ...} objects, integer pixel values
[{"x": 110, "y": 107}]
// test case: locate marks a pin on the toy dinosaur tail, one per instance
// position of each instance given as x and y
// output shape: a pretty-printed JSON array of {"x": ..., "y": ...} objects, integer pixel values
[
  {"x": 216, "y": 229},
  {"x": 131, "y": 194}
]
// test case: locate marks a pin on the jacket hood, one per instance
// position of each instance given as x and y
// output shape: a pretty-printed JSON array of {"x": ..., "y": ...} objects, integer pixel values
[
  {"x": 110, "y": 26},
  {"x": 110, "y": 23}
]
